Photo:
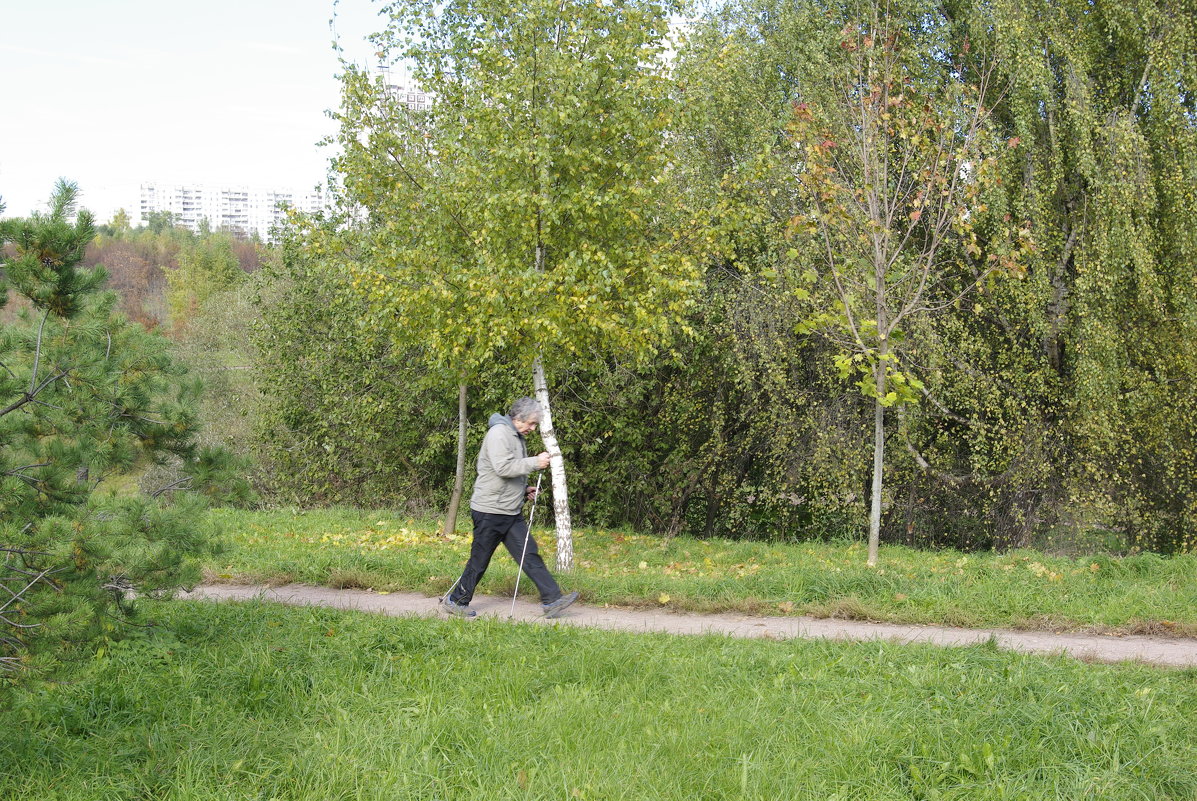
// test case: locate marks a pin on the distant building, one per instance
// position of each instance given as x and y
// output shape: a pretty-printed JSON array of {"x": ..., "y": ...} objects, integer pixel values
[
  {"x": 239, "y": 209},
  {"x": 400, "y": 86}
]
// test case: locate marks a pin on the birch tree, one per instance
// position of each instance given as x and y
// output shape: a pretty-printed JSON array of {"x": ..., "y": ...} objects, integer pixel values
[{"x": 525, "y": 217}]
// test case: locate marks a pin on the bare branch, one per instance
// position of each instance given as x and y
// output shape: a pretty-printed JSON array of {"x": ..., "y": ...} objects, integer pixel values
[
  {"x": 37, "y": 354},
  {"x": 18, "y": 595},
  {"x": 23, "y": 551},
  {"x": 948, "y": 478},
  {"x": 944, "y": 409},
  {"x": 956, "y": 299},
  {"x": 171, "y": 486}
]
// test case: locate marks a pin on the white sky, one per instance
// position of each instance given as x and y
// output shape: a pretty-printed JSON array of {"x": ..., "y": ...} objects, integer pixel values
[{"x": 114, "y": 93}]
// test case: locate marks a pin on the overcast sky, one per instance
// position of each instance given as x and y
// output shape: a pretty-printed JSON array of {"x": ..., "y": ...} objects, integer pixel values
[{"x": 112, "y": 94}]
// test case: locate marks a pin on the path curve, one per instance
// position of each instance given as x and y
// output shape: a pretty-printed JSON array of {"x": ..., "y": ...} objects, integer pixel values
[{"x": 1099, "y": 648}]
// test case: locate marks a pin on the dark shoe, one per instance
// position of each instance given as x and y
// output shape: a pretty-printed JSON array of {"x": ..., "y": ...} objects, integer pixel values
[
  {"x": 459, "y": 610},
  {"x": 554, "y": 608}
]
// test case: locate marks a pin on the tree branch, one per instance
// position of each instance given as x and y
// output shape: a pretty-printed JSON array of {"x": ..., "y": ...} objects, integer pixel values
[
  {"x": 171, "y": 486},
  {"x": 948, "y": 478},
  {"x": 29, "y": 396},
  {"x": 37, "y": 355}
]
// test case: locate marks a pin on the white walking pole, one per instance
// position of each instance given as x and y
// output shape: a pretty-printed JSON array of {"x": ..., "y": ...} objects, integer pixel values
[{"x": 524, "y": 552}]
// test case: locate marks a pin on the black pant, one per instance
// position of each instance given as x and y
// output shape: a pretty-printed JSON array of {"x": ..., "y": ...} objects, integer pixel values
[{"x": 512, "y": 531}]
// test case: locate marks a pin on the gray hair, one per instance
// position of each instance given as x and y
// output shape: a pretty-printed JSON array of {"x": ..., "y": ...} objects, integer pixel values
[{"x": 526, "y": 409}]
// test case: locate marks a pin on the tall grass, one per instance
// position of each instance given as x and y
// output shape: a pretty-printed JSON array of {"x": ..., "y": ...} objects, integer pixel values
[
  {"x": 241, "y": 701},
  {"x": 1026, "y": 589}
]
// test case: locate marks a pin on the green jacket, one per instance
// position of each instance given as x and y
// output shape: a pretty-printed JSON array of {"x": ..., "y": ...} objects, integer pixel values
[{"x": 503, "y": 468}]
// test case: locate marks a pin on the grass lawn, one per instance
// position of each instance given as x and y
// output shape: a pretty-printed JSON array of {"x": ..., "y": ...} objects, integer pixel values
[
  {"x": 258, "y": 701},
  {"x": 370, "y": 549}
]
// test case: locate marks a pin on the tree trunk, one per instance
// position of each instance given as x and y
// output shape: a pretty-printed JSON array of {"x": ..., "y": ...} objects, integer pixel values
[
  {"x": 565, "y": 533},
  {"x": 878, "y": 464},
  {"x": 459, "y": 479}
]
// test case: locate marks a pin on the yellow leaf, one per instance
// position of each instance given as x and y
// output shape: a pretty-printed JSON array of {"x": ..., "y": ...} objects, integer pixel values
[{"x": 663, "y": 598}]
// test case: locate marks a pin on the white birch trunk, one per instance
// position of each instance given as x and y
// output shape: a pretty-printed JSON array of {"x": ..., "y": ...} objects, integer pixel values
[{"x": 565, "y": 533}]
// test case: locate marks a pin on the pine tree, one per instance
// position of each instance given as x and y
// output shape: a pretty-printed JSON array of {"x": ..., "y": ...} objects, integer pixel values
[{"x": 85, "y": 394}]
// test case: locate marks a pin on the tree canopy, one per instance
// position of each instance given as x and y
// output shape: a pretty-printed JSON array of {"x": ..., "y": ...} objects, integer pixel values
[{"x": 1054, "y": 404}]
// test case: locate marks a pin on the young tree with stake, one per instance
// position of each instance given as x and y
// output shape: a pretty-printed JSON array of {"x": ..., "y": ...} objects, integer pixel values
[{"x": 895, "y": 159}]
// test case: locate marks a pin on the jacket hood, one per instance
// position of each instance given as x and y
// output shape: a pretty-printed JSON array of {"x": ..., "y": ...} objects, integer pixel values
[{"x": 499, "y": 419}]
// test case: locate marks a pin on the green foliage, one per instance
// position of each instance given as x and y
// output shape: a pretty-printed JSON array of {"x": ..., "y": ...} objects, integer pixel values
[
  {"x": 218, "y": 347},
  {"x": 1057, "y": 403},
  {"x": 139, "y": 260},
  {"x": 206, "y": 266},
  {"x": 120, "y": 224},
  {"x": 1079, "y": 390},
  {"x": 85, "y": 394},
  {"x": 526, "y": 217},
  {"x": 346, "y": 418},
  {"x": 737, "y": 435},
  {"x": 528, "y": 211},
  {"x": 47, "y": 248},
  {"x": 895, "y": 157},
  {"x": 159, "y": 222},
  {"x": 1055, "y": 408}
]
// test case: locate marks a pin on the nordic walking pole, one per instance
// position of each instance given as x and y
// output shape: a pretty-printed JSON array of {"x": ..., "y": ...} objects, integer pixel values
[{"x": 524, "y": 552}]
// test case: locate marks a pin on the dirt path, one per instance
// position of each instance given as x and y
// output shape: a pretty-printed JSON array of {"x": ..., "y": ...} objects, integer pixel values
[{"x": 1153, "y": 650}]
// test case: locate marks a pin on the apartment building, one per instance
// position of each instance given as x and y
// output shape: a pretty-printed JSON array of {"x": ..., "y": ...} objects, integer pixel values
[
  {"x": 232, "y": 208},
  {"x": 403, "y": 88}
]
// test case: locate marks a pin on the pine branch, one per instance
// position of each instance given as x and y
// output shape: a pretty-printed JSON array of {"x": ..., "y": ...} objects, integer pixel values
[
  {"x": 40, "y": 577},
  {"x": 28, "y": 397},
  {"x": 173, "y": 485},
  {"x": 37, "y": 355}
]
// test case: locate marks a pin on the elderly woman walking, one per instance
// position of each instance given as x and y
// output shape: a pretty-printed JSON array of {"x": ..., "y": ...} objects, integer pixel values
[{"x": 499, "y": 495}]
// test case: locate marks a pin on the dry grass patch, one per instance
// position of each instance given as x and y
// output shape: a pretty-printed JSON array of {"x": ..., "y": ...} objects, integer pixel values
[{"x": 846, "y": 609}]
